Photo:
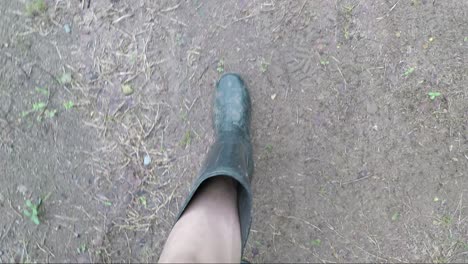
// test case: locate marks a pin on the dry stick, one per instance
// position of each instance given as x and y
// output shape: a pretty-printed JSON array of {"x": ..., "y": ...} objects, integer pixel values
[
  {"x": 170, "y": 8},
  {"x": 339, "y": 70},
  {"x": 174, "y": 20},
  {"x": 121, "y": 18},
  {"x": 6, "y": 232},
  {"x": 45, "y": 251},
  {"x": 154, "y": 124},
  {"x": 355, "y": 244},
  {"x": 302, "y": 8},
  {"x": 459, "y": 208},
  {"x": 388, "y": 13},
  {"x": 11, "y": 206},
  {"x": 302, "y": 220},
  {"x": 356, "y": 180},
  {"x": 194, "y": 101}
]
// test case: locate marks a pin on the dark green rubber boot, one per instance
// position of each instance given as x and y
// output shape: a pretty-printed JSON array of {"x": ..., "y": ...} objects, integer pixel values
[{"x": 231, "y": 153}]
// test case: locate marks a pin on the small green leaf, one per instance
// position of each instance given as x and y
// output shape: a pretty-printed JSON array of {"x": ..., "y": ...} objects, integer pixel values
[
  {"x": 38, "y": 106},
  {"x": 42, "y": 91},
  {"x": 50, "y": 113},
  {"x": 29, "y": 204},
  {"x": 35, "y": 219},
  {"x": 127, "y": 89},
  {"x": 264, "y": 66},
  {"x": 395, "y": 216},
  {"x": 316, "y": 242},
  {"x": 143, "y": 200},
  {"x": 324, "y": 62},
  {"x": 108, "y": 203},
  {"x": 434, "y": 95},
  {"x": 446, "y": 220},
  {"x": 187, "y": 139},
  {"x": 68, "y": 105},
  {"x": 409, "y": 71},
  {"x": 36, "y": 7},
  {"x": 81, "y": 249},
  {"x": 26, "y": 213},
  {"x": 465, "y": 39},
  {"x": 220, "y": 67},
  {"x": 65, "y": 78}
]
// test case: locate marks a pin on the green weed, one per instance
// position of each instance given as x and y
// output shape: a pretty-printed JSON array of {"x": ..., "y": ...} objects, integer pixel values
[
  {"x": 434, "y": 95},
  {"x": 349, "y": 9},
  {"x": 36, "y": 107},
  {"x": 65, "y": 78},
  {"x": 446, "y": 220},
  {"x": 220, "y": 67},
  {"x": 50, "y": 113},
  {"x": 36, "y": 7},
  {"x": 316, "y": 242},
  {"x": 187, "y": 139},
  {"x": 127, "y": 89},
  {"x": 40, "y": 107},
  {"x": 269, "y": 148},
  {"x": 142, "y": 200},
  {"x": 348, "y": 13},
  {"x": 396, "y": 216},
  {"x": 43, "y": 91},
  {"x": 183, "y": 116},
  {"x": 68, "y": 105},
  {"x": 264, "y": 66},
  {"x": 82, "y": 249},
  {"x": 409, "y": 71},
  {"x": 33, "y": 212},
  {"x": 346, "y": 31},
  {"x": 324, "y": 62},
  {"x": 440, "y": 259},
  {"x": 322, "y": 191}
]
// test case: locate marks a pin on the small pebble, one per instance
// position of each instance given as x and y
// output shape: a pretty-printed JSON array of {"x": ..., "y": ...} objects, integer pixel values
[
  {"x": 67, "y": 28},
  {"x": 146, "y": 160},
  {"x": 91, "y": 76},
  {"x": 372, "y": 108}
]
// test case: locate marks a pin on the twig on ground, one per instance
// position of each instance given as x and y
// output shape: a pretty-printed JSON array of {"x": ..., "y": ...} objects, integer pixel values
[{"x": 388, "y": 13}]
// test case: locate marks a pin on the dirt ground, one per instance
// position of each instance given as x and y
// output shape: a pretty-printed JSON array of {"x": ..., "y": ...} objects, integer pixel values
[{"x": 359, "y": 125}]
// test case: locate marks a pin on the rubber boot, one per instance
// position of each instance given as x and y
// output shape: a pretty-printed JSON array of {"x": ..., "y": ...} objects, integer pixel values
[{"x": 231, "y": 153}]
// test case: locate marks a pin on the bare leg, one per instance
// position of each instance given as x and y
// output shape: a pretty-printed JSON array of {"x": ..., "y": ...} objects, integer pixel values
[{"x": 209, "y": 229}]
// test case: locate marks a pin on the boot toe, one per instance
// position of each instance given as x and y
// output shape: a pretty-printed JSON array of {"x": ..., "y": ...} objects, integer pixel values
[
  {"x": 231, "y": 81},
  {"x": 232, "y": 105}
]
